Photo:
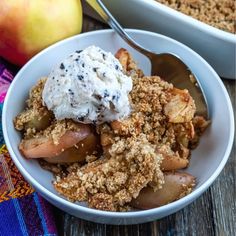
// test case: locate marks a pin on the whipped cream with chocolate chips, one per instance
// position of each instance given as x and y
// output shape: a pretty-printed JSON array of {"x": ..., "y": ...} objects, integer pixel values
[{"x": 89, "y": 86}]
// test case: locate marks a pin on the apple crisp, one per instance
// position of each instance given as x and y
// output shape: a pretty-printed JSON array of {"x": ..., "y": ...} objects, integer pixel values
[
  {"x": 133, "y": 153},
  {"x": 133, "y": 149}
]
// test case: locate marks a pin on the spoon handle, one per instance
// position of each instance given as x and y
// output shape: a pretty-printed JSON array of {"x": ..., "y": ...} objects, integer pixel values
[{"x": 100, "y": 8}]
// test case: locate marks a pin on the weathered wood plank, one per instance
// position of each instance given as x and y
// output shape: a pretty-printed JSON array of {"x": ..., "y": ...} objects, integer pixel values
[{"x": 223, "y": 190}]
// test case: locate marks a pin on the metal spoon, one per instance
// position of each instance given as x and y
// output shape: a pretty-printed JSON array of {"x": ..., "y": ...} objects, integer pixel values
[{"x": 166, "y": 65}]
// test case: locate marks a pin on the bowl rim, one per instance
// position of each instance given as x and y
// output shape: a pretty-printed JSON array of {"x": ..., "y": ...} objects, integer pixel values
[
  {"x": 208, "y": 29},
  {"x": 140, "y": 213}
]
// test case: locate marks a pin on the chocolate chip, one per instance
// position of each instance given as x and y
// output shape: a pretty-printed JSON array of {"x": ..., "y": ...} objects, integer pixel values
[
  {"x": 116, "y": 97},
  {"x": 80, "y": 118},
  {"x": 103, "y": 56},
  {"x": 62, "y": 67},
  {"x": 71, "y": 92},
  {"x": 82, "y": 64},
  {"x": 97, "y": 96},
  {"x": 95, "y": 69},
  {"x": 116, "y": 67},
  {"x": 80, "y": 77},
  {"x": 78, "y": 51},
  {"x": 106, "y": 94},
  {"x": 112, "y": 106},
  {"x": 101, "y": 107}
]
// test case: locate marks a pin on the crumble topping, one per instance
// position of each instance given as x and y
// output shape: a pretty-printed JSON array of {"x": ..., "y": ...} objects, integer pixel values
[
  {"x": 133, "y": 163},
  {"x": 220, "y": 14}
]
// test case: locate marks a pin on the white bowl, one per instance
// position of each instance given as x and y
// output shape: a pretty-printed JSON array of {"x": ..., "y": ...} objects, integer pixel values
[
  {"x": 216, "y": 46},
  {"x": 207, "y": 160}
]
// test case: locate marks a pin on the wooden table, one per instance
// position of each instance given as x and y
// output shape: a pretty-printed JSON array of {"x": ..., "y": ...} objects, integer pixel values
[{"x": 214, "y": 213}]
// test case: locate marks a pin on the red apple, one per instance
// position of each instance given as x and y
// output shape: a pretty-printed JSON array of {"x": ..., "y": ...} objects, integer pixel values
[{"x": 28, "y": 26}]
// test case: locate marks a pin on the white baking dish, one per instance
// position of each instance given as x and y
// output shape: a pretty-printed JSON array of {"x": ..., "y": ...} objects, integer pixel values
[{"x": 216, "y": 46}]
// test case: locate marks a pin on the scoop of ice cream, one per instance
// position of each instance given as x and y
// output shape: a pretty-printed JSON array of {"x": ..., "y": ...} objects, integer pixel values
[{"x": 89, "y": 86}]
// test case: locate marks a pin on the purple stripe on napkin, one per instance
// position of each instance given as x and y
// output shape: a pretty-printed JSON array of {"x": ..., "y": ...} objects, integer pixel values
[{"x": 34, "y": 227}]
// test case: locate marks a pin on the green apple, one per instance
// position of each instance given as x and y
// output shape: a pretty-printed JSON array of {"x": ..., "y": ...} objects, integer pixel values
[{"x": 28, "y": 26}]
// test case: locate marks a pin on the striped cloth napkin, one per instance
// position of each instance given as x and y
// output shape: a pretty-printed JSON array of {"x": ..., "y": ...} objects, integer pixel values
[{"x": 22, "y": 211}]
